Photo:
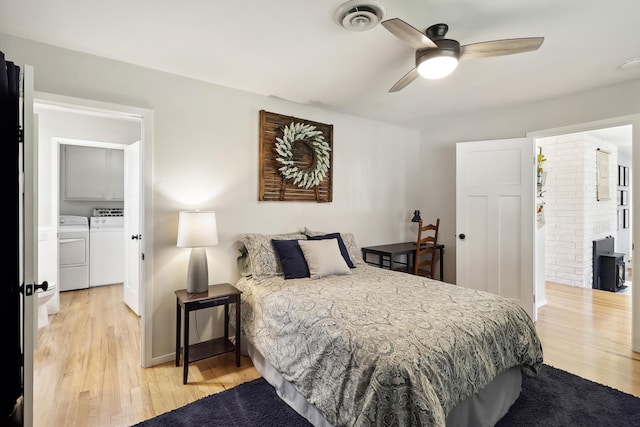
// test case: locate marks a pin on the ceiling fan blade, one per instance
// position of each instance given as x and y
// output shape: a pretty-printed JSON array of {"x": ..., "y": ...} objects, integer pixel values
[
  {"x": 409, "y": 34},
  {"x": 500, "y": 47},
  {"x": 405, "y": 80}
]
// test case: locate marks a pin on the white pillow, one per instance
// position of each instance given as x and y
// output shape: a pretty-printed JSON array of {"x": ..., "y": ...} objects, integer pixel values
[
  {"x": 323, "y": 258},
  {"x": 349, "y": 241}
]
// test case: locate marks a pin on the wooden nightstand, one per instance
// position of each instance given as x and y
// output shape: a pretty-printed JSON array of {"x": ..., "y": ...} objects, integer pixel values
[{"x": 221, "y": 294}]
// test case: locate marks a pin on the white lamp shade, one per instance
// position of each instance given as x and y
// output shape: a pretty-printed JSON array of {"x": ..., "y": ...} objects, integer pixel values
[{"x": 197, "y": 229}]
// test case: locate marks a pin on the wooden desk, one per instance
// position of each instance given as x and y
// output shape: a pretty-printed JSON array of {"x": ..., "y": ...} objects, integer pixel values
[
  {"x": 222, "y": 294},
  {"x": 389, "y": 252}
]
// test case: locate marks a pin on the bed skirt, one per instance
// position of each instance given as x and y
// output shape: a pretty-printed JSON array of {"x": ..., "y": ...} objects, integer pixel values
[{"x": 485, "y": 408}]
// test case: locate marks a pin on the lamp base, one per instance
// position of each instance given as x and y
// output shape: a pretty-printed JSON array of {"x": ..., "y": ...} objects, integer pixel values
[{"x": 198, "y": 272}]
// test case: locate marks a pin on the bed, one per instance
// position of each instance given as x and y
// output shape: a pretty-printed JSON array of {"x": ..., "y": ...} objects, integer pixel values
[{"x": 369, "y": 347}]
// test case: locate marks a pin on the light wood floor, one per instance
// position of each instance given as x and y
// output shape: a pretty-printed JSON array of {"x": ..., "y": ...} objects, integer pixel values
[
  {"x": 87, "y": 363},
  {"x": 588, "y": 333},
  {"x": 87, "y": 367}
]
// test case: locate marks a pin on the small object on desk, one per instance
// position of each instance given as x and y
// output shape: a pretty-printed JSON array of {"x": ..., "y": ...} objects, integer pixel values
[
  {"x": 216, "y": 295},
  {"x": 393, "y": 250}
]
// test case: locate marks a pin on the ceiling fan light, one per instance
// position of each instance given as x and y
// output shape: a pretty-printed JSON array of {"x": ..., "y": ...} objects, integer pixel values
[
  {"x": 439, "y": 62},
  {"x": 437, "y": 67}
]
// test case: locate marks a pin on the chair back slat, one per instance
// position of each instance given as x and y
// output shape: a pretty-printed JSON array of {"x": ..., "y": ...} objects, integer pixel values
[{"x": 425, "y": 255}]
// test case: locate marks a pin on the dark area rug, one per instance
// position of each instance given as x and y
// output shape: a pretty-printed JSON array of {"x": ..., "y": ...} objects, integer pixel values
[
  {"x": 252, "y": 404},
  {"x": 554, "y": 398},
  {"x": 558, "y": 398}
]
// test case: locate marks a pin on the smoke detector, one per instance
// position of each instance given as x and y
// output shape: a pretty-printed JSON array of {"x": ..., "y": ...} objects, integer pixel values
[{"x": 360, "y": 15}]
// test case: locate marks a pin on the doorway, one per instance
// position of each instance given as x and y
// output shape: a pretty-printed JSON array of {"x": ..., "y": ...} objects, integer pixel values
[
  {"x": 572, "y": 209},
  {"x": 92, "y": 112},
  {"x": 601, "y": 130}
]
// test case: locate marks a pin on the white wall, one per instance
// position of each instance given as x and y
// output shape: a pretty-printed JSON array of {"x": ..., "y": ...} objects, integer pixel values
[
  {"x": 205, "y": 155},
  {"x": 574, "y": 215},
  {"x": 441, "y": 133},
  {"x": 540, "y": 254}
]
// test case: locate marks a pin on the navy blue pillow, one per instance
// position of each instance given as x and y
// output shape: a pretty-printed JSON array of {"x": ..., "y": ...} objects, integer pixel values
[
  {"x": 294, "y": 266},
  {"x": 343, "y": 248}
]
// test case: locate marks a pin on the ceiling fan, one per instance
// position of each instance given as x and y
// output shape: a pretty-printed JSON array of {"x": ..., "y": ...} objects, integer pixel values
[{"x": 437, "y": 56}]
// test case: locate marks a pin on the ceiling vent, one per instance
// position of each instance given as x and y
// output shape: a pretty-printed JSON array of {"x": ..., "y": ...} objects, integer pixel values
[{"x": 360, "y": 15}]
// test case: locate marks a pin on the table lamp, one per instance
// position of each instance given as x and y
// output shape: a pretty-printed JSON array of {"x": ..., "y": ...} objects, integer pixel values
[
  {"x": 416, "y": 216},
  {"x": 197, "y": 230}
]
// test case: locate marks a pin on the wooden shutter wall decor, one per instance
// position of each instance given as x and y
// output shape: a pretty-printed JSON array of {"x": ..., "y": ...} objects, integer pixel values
[{"x": 273, "y": 186}]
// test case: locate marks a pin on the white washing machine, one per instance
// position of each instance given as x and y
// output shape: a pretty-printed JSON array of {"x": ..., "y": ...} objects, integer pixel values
[
  {"x": 107, "y": 250},
  {"x": 73, "y": 252}
]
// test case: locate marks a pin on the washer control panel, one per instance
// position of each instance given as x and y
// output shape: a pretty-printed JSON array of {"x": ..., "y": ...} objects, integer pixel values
[{"x": 107, "y": 221}]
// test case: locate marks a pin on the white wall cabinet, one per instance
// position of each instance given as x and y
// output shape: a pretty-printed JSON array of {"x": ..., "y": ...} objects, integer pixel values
[
  {"x": 116, "y": 174},
  {"x": 92, "y": 173}
]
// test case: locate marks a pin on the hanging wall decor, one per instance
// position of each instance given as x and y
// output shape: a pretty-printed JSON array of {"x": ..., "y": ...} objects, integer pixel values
[
  {"x": 541, "y": 175},
  {"x": 296, "y": 159},
  {"x": 626, "y": 181},
  {"x": 602, "y": 175}
]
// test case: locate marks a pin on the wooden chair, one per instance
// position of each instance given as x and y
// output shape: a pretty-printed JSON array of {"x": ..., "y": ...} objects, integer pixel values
[{"x": 425, "y": 256}]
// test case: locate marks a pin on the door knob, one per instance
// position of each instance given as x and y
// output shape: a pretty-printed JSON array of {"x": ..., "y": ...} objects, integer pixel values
[
  {"x": 29, "y": 289},
  {"x": 136, "y": 237},
  {"x": 461, "y": 236}
]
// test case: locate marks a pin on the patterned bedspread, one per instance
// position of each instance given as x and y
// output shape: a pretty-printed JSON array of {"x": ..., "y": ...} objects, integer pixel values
[{"x": 379, "y": 347}]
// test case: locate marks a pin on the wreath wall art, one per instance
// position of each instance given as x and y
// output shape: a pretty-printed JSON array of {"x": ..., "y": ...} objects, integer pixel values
[{"x": 296, "y": 159}]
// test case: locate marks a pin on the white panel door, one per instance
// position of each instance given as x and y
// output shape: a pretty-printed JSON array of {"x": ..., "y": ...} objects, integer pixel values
[
  {"x": 132, "y": 226},
  {"x": 495, "y": 218}
]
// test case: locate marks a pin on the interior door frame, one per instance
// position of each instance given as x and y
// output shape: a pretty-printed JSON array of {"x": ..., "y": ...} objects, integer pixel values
[
  {"x": 146, "y": 192},
  {"x": 634, "y": 121},
  {"x": 28, "y": 253}
]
